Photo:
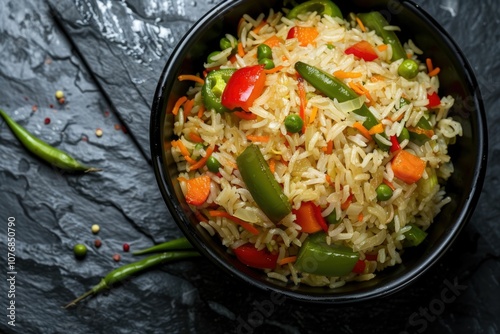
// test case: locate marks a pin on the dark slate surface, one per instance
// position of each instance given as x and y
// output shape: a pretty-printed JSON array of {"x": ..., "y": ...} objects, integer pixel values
[{"x": 108, "y": 71}]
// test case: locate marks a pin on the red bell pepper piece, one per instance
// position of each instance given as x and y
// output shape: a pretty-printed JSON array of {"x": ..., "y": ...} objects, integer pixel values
[
  {"x": 308, "y": 216},
  {"x": 395, "y": 144},
  {"x": 244, "y": 86},
  {"x": 434, "y": 100},
  {"x": 252, "y": 257},
  {"x": 363, "y": 50},
  {"x": 359, "y": 267}
]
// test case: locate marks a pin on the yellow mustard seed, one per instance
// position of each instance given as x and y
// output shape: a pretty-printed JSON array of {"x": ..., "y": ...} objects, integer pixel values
[{"x": 95, "y": 228}]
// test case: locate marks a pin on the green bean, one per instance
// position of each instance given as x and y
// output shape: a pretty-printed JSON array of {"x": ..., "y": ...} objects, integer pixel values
[
  {"x": 43, "y": 150},
  {"x": 124, "y": 272},
  {"x": 376, "y": 21},
  {"x": 262, "y": 185},
  {"x": 177, "y": 244}
]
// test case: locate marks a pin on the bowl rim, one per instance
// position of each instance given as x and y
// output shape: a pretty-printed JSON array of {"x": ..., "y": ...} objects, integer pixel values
[{"x": 393, "y": 285}]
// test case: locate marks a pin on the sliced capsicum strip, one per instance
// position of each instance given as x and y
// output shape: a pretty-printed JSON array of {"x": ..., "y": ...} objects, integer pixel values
[
  {"x": 318, "y": 258},
  {"x": 214, "y": 86},
  {"x": 376, "y": 21},
  {"x": 322, "y": 7},
  {"x": 262, "y": 185},
  {"x": 333, "y": 88}
]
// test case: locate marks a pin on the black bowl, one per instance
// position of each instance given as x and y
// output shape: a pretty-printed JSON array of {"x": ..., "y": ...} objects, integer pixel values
[{"x": 468, "y": 154}]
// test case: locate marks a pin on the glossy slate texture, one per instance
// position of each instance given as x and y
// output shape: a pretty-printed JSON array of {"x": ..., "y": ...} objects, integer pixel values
[
  {"x": 53, "y": 211},
  {"x": 463, "y": 187}
]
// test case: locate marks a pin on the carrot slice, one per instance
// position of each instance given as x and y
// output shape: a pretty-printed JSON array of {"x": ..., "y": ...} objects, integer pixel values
[
  {"x": 346, "y": 75},
  {"x": 188, "y": 106},
  {"x": 329, "y": 147},
  {"x": 408, "y": 167},
  {"x": 382, "y": 47},
  {"x": 274, "y": 69},
  {"x": 178, "y": 104},
  {"x": 195, "y": 138},
  {"x": 346, "y": 204},
  {"x": 262, "y": 139},
  {"x": 198, "y": 190},
  {"x": 247, "y": 226},
  {"x": 241, "y": 51}
]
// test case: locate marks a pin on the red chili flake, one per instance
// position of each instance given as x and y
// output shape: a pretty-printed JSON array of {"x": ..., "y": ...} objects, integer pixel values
[
  {"x": 126, "y": 247},
  {"x": 117, "y": 257},
  {"x": 97, "y": 243},
  {"x": 34, "y": 107},
  {"x": 106, "y": 113},
  {"x": 46, "y": 120},
  {"x": 51, "y": 106},
  {"x": 61, "y": 100},
  {"x": 85, "y": 138}
]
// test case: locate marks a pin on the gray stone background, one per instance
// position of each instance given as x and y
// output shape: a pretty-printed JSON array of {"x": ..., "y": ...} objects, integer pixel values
[{"x": 107, "y": 57}]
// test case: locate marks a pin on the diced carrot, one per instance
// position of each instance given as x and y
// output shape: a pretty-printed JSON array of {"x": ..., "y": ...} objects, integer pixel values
[
  {"x": 360, "y": 217},
  {"x": 328, "y": 179},
  {"x": 241, "y": 51},
  {"x": 191, "y": 77},
  {"x": 286, "y": 260},
  {"x": 200, "y": 163},
  {"x": 408, "y": 167},
  {"x": 195, "y": 138},
  {"x": 379, "y": 128},
  {"x": 232, "y": 59},
  {"x": 346, "y": 75},
  {"x": 198, "y": 189},
  {"x": 247, "y": 226},
  {"x": 382, "y": 47},
  {"x": 303, "y": 100},
  {"x": 364, "y": 131},
  {"x": 262, "y": 139},
  {"x": 430, "y": 67},
  {"x": 180, "y": 145},
  {"x": 178, "y": 104},
  {"x": 273, "y": 41},
  {"x": 245, "y": 115},
  {"x": 305, "y": 35},
  {"x": 361, "y": 25},
  {"x": 306, "y": 218}
]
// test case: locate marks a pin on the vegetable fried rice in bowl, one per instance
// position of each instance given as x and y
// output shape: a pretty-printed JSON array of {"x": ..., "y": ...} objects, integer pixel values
[{"x": 325, "y": 151}]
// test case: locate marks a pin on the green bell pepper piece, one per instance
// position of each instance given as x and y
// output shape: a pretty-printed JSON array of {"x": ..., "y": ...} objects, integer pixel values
[
  {"x": 212, "y": 90},
  {"x": 318, "y": 258},
  {"x": 336, "y": 89},
  {"x": 322, "y": 7},
  {"x": 262, "y": 185},
  {"x": 376, "y": 21}
]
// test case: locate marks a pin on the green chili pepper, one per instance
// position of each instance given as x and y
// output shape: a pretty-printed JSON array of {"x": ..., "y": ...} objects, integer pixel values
[
  {"x": 318, "y": 258},
  {"x": 332, "y": 218},
  {"x": 336, "y": 89},
  {"x": 322, "y": 7},
  {"x": 177, "y": 244},
  {"x": 213, "y": 88},
  {"x": 414, "y": 236},
  {"x": 408, "y": 69},
  {"x": 123, "y": 272},
  {"x": 405, "y": 134},
  {"x": 262, "y": 185},
  {"x": 43, "y": 150},
  {"x": 376, "y": 21}
]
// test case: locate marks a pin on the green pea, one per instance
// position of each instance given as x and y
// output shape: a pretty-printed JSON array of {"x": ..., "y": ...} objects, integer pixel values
[
  {"x": 264, "y": 51},
  {"x": 268, "y": 63},
  {"x": 384, "y": 192},
  {"x": 213, "y": 164},
  {"x": 213, "y": 54},
  {"x": 408, "y": 69},
  {"x": 293, "y": 123},
  {"x": 225, "y": 43},
  {"x": 405, "y": 134},
  {"x": 80, "y": 250},
  {"x": 330, "y": 46},
  {"x": 332, "y": 218}
]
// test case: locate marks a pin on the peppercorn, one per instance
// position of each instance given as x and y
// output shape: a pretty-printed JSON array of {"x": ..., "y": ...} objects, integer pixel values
[
  {"x": 97, "y": 243},
  {"x": 117, "y": 257},
  {"x": 126, "y": 247}
]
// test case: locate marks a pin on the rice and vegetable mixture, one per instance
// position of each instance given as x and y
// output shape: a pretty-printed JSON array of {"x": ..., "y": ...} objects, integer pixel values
[{"x": 313, "y": 144}]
